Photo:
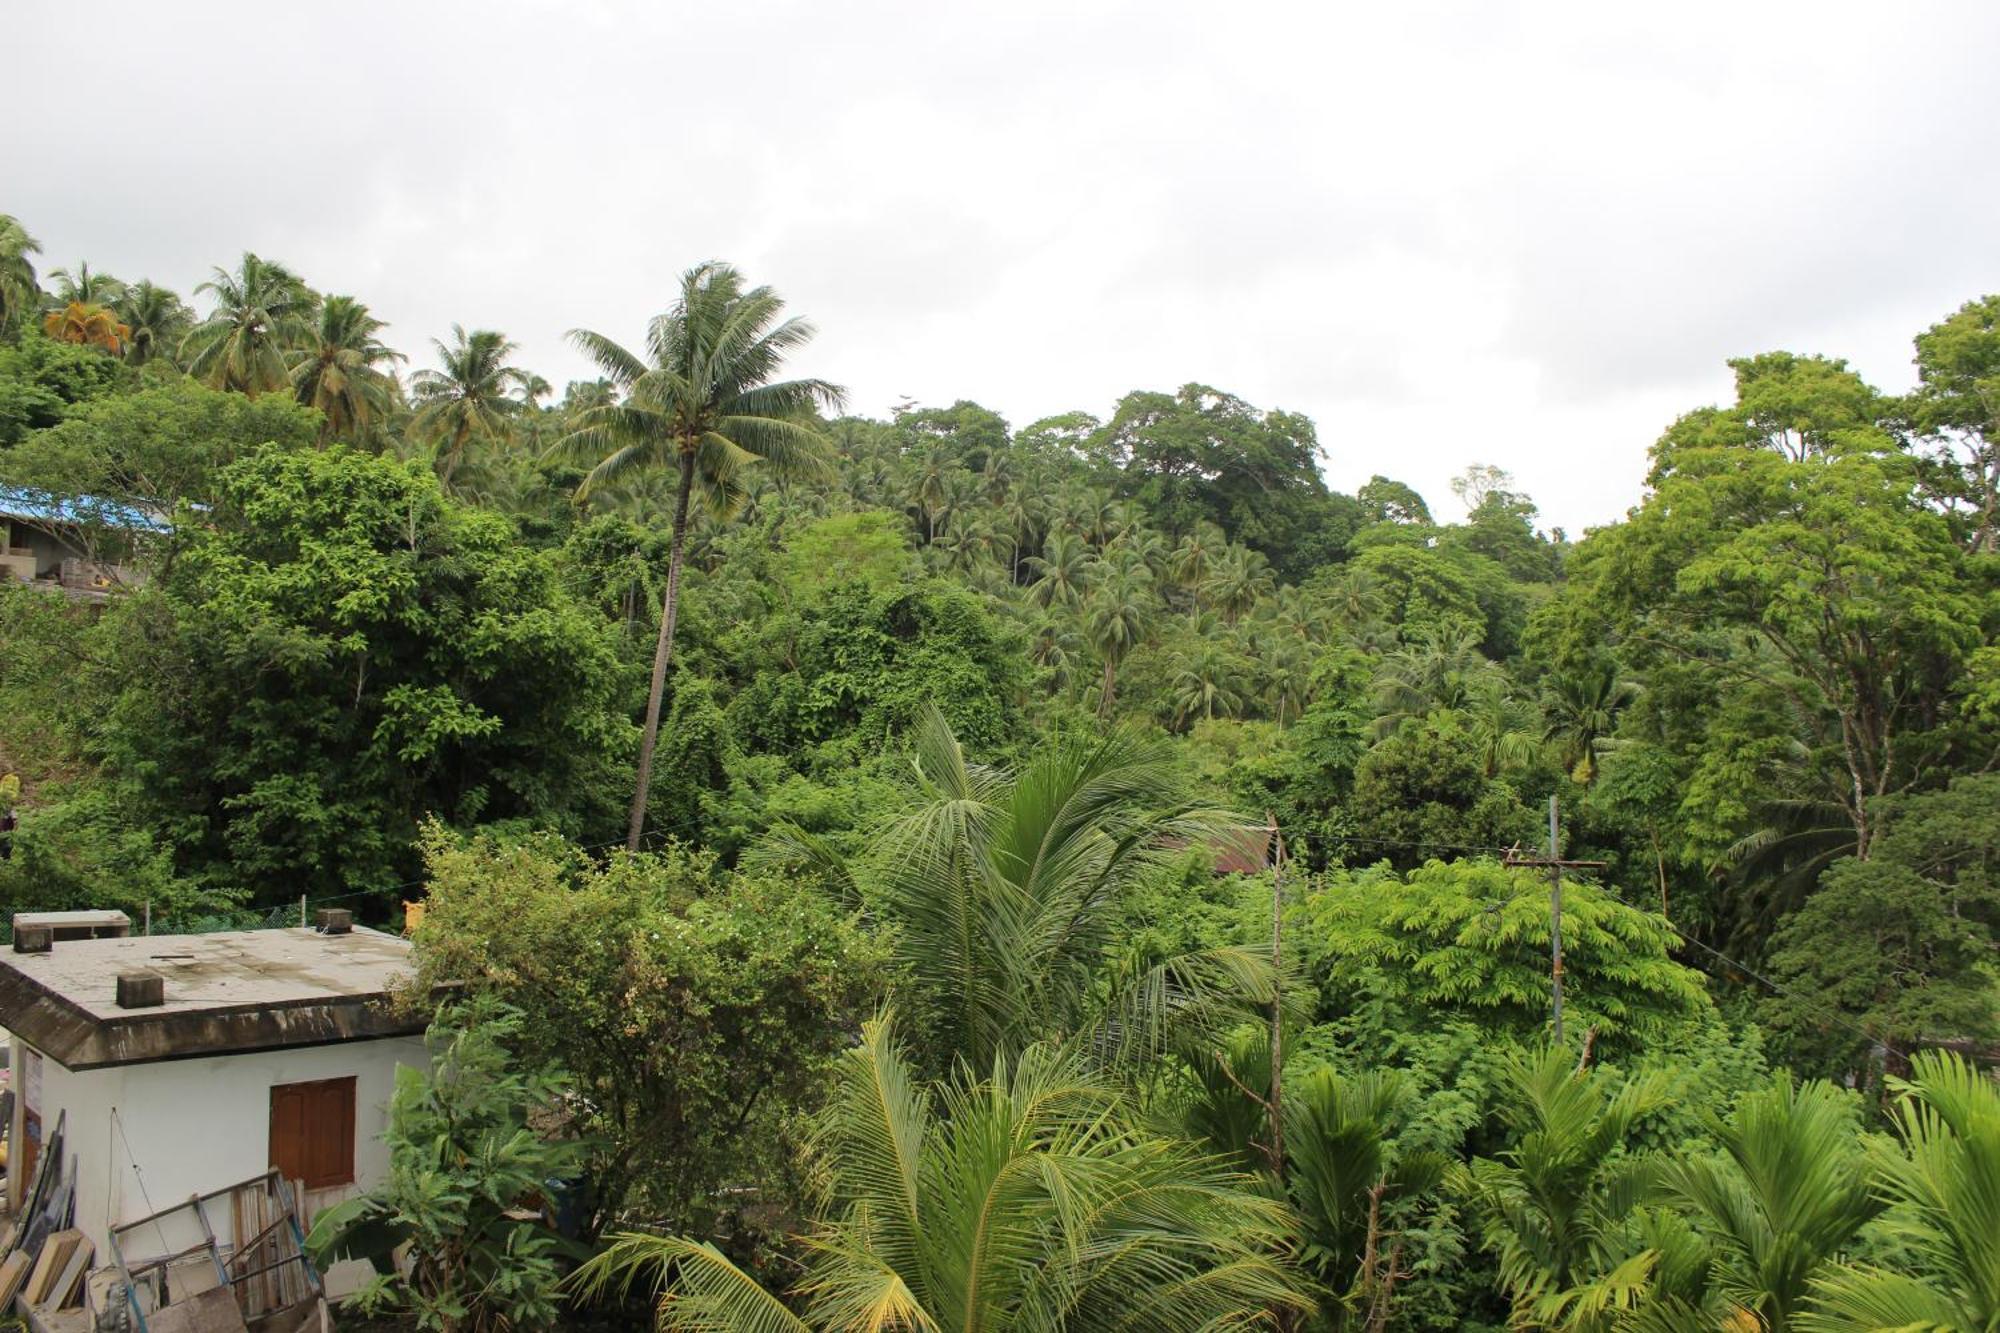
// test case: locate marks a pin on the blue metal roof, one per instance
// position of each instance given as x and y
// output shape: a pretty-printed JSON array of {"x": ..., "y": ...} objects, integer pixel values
[{"x": 76, "y": 510}]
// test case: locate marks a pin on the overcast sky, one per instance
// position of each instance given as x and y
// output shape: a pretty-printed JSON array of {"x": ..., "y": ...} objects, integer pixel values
[{"x": 1527, "y": 235}]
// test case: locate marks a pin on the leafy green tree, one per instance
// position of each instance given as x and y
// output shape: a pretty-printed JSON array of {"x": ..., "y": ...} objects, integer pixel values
[
  {"x": 344, "y": 371},
  {"x": 261, "y": 312},
  {"x": 465, "y": 1154},
  {"x": 1848, "y": 600},
  {"x": 1900, "y": 945},
  {"x": 1423, "y": 792},
  {"x": 1064, "y": 571},
  {"x": 1200, "y": 454},
  {"x": 845, "y": 673},
  {"x": 1470, "y": 939},
  {"x": 1942, "y": 1183},
  {"x": 155, "y": 450},
  {"x": 1352, "y": 1181},
  {"x": 1582, "y": 708},
  {"x": 1239, "y": 580},
  {"x": 337, "y": 652},
  {"x": 467, "y": 402},
  {"x": 870, "y": 548},
  {"x": 704, "y": 402},
  {"x": 697, "y": 1014},
  {"x": 1386, "y": 501},
  {"x": 1957, "y": 409},
  {"x": 42, "y": 379},
  {"x": 20, "y": 293},
  {"x": 1210, "y": 681},
  {"x": 1028, "y": 1199}
]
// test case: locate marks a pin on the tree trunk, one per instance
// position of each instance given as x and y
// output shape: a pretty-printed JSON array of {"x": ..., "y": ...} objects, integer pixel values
[
  {"x": 663, "y": 656},
  {"x": 1104, "y": 693}
]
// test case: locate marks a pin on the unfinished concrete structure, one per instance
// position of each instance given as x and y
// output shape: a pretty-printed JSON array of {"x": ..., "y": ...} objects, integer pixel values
[{"x": 184, "y": 1063}]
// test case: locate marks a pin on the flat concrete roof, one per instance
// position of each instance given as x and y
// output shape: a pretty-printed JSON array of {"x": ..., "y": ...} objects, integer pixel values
[
  {"x": 86, "y": 917},
  {"x": 233, "y": 991}
]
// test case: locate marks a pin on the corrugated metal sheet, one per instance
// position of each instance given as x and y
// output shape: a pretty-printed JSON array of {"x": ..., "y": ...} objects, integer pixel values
[{"x": 76, "y": 510}]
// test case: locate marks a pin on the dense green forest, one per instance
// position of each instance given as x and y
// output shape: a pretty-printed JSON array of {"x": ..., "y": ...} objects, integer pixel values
[{"x": 950, "y": 874}]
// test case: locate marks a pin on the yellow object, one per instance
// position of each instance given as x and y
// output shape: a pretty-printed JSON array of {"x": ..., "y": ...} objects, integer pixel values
[{"x": 413, "y": 916}]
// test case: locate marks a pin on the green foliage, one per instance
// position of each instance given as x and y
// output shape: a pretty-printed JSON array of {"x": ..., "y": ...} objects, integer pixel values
[
  {"x": 1942, "y": 1184},
  {"x": 864, "y": 665},
  {"x": 1027, "y": 1199},
  {"x": 466, "y": 1152},
  {"x": 337, "y": 653},
  {"x": 159, "y": 448},
  {"x": 1470, "y": 940},
  {"x": 1423, "y": 792},
  {"x": 1003, "y": 891},
  {"x": 696, "y": 1013},
  {"x": 1897, "y": 948},
  {"x": 41, "y": 380},
  {"x": 866, "y": 548},
  {"x": 1783, "y": 1198},
  {"x": 1566, "y": 1209},
  {"x": 1768, "y": 699},
  {"x": 1200, "y": 454}
]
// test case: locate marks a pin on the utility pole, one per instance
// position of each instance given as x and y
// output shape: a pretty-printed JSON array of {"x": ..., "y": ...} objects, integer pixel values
[
  {"x": 1276, "y": 1105},
  {"x": 1555, "y": 865}
]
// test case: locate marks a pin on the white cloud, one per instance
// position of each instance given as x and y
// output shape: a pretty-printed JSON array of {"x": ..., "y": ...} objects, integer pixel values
[{"x": 1526, "y": 234}]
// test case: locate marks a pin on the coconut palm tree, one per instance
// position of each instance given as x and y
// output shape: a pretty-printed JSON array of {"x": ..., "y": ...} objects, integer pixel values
[
  {"x": 1116, "y": 617},
  {"x": 87, "y": 326},
  {"x": 1004, "y": 889},
  {"x": 1208, "y": 681},
  {"x": 1194, "y": 558},
  {"x": 19, "y": 290},
  {"x": 1064, "y": 571},
  {"x": 1019, "y": 518},
  {"x": 158, "y": 318},
  {"x": 469, "y": 401},
  {"x": 705, "y": 402},
  {"x": 1027, "y": 1199},
  {"x": 261, "y": 312},
  {"x": 1442, "y": 669},
  {"x": 1582, "y": 710},
  {"x": 1503, "y": 727},
  {"x": 1287, "y": 666},
  {"x": 1942, "y": 1182},
  {"x": 1781, "y": 1200},
  {"x": 344, "y": 371},
  {"x": 79, "y": 286},
  {"x": 1238, "y": 580}
]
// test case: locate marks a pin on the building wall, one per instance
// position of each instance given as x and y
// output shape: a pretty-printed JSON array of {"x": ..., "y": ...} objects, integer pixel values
[
  {"x": 46, "y": 550},
  {"x": 145, "y": 1137}
]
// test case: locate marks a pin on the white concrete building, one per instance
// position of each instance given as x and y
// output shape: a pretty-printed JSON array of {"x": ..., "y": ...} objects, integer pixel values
[{"x": 264, "y": 1048}]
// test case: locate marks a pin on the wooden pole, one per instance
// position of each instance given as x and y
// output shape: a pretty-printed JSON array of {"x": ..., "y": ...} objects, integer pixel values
[
  {"x": 1555, "y": 865},
  {"x": 1276, "y": 1104},
  {"x": 1555, "y": 923}
]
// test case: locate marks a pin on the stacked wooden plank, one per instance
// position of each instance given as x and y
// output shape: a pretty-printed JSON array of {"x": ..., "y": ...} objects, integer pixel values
[{"x": 45, "y": 1258}]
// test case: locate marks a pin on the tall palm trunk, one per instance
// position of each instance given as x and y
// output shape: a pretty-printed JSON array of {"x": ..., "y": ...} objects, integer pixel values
[
  {"x": 1107, "y": 691},
  {"x": 663, "y": 652}
]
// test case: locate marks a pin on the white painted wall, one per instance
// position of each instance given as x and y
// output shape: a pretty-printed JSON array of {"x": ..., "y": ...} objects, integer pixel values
[{"x": 145, "y": 1137}]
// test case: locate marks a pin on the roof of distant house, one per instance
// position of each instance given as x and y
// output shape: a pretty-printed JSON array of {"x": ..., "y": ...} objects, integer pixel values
[
  {"x": 226, "y": 993},
  {"x": 77, "y": 510}
]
